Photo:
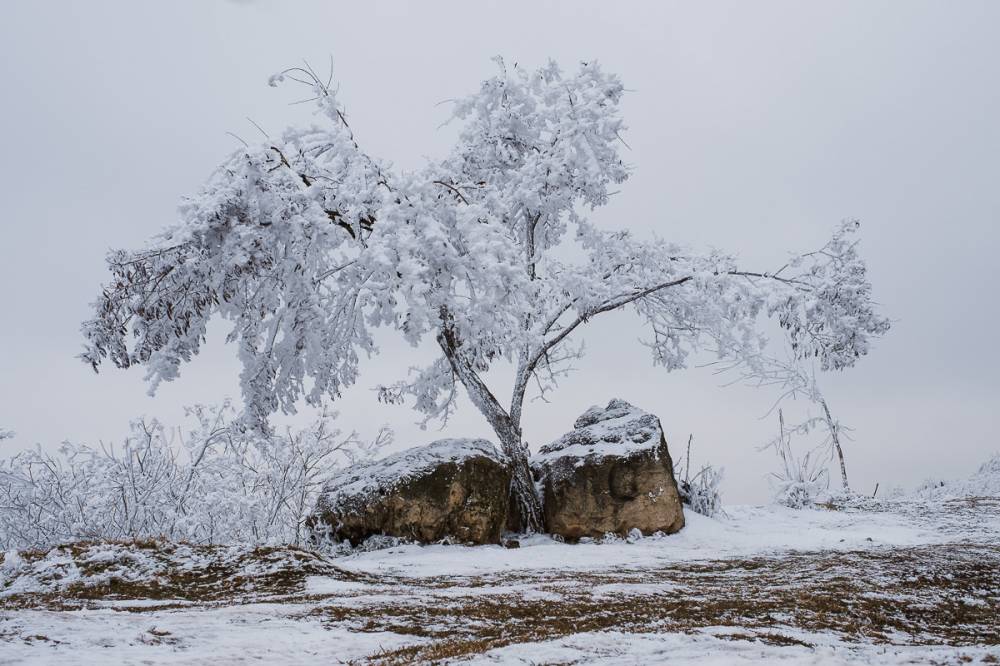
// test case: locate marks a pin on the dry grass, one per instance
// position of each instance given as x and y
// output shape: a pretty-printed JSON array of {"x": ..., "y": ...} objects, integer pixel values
[
  {"x": 218, "y": 575},
  {"x": 918, "y": 596}
]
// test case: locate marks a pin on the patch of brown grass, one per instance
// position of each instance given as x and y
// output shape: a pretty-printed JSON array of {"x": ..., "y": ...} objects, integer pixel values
[
  {"x": 913, "y": 596},
  {"x": 928, "y": 595},
  {"x": 212, "y": 577}
]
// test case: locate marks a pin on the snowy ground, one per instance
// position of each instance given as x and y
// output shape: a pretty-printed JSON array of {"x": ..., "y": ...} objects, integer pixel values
[{"x": 909, "y": 581}]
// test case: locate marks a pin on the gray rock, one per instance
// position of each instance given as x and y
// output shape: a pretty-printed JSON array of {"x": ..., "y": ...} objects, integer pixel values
[
  {"x": 451, "y": 489},
  {"x": 612, "y": 473}
]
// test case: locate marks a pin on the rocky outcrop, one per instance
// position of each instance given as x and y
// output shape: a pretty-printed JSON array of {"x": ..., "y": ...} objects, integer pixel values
[
  {"x": 451, "y": 489},
  {"x": 612, "y": 473}
]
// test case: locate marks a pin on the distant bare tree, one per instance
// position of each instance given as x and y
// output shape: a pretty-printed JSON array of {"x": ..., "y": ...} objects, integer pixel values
[{"x": 795, "y": 378}]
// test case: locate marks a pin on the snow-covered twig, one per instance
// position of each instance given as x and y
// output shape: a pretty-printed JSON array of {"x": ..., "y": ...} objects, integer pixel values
[{"x": 216, "y": 483}]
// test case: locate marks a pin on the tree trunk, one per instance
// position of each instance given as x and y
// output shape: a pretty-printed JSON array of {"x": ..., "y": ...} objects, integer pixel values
[
  {"x": 835, "y": 437},
  {"x": 526, "y": 507}
]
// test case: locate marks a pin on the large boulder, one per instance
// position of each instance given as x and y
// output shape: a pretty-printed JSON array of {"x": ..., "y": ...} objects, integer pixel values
[
  {"x": 612, "y": 473},
  {"x": 455, "y": 489}
]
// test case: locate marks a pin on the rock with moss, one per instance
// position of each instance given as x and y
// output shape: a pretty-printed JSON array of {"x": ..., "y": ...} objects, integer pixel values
[
  {"x": 453, "y": 490},
  {"x": 611, "y": 474}
]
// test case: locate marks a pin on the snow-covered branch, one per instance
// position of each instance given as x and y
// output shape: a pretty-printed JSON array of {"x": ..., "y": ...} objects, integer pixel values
[{"x": 214, "y": 483}]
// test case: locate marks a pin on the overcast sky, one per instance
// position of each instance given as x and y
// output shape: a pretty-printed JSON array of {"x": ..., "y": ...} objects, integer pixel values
[{"x": 754, "y": 128}]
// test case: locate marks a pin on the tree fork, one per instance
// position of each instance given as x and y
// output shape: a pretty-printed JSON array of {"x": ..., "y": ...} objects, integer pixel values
[{"x": 527, "y": 505}]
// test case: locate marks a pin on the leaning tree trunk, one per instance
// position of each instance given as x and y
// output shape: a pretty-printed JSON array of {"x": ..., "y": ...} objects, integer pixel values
[
  {"x": 526, "y": 507},
  {"x": 834, "y": 428}
]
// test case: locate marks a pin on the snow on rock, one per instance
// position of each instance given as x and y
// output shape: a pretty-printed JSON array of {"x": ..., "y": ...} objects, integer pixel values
[
  {"x": 611, "y": 474},
  {"x": 619, "y": 430},
  {"x": 381, "y": 475},
  {"x": 451, "y": 489}
]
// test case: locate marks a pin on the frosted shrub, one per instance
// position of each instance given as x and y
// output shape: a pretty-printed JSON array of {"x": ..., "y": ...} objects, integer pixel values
[
  {"x": 984, "y": 483},
  {"x": 929, "y": 485},
  {"x": 217, "y": 483},
  {"x": 700, "y": 492},
  {"x": 801, "y": 491},
  {"x": 800, "y": 480}
]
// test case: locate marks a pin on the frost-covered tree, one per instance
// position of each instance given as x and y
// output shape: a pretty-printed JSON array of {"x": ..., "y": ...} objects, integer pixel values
[{"x": 306, "y": 243}]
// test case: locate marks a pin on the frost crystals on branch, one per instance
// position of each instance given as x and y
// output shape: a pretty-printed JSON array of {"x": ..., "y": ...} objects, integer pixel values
[
  {"x": 701, "y": 491},
  {"x": 216, "y": 483},
  {"x": 793, "y": 379},
  {"x": 305, "y": 243}
]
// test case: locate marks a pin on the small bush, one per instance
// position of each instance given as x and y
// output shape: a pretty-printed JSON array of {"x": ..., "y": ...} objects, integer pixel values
[
  {"x": 216, "y": 484},
  {"x": 700, "y": 493}
]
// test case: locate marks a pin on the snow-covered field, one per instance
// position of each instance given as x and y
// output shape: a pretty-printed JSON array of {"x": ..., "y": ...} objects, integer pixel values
[{"x": 912, "y": 580}]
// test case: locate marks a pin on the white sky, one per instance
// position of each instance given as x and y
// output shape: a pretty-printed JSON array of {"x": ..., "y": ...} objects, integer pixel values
[{"x": 754, "y": 128}]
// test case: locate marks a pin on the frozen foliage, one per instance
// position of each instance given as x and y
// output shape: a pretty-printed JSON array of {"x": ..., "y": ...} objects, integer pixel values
[
  {"x": 306, "y": 243},
  {"x": 984, "y": 483},
  {"x": 701, "y": 492},
  {"x": 800, "y": 482},
  {"x": 214, "y": 484},
  {"x": 801, "y": 479}
]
